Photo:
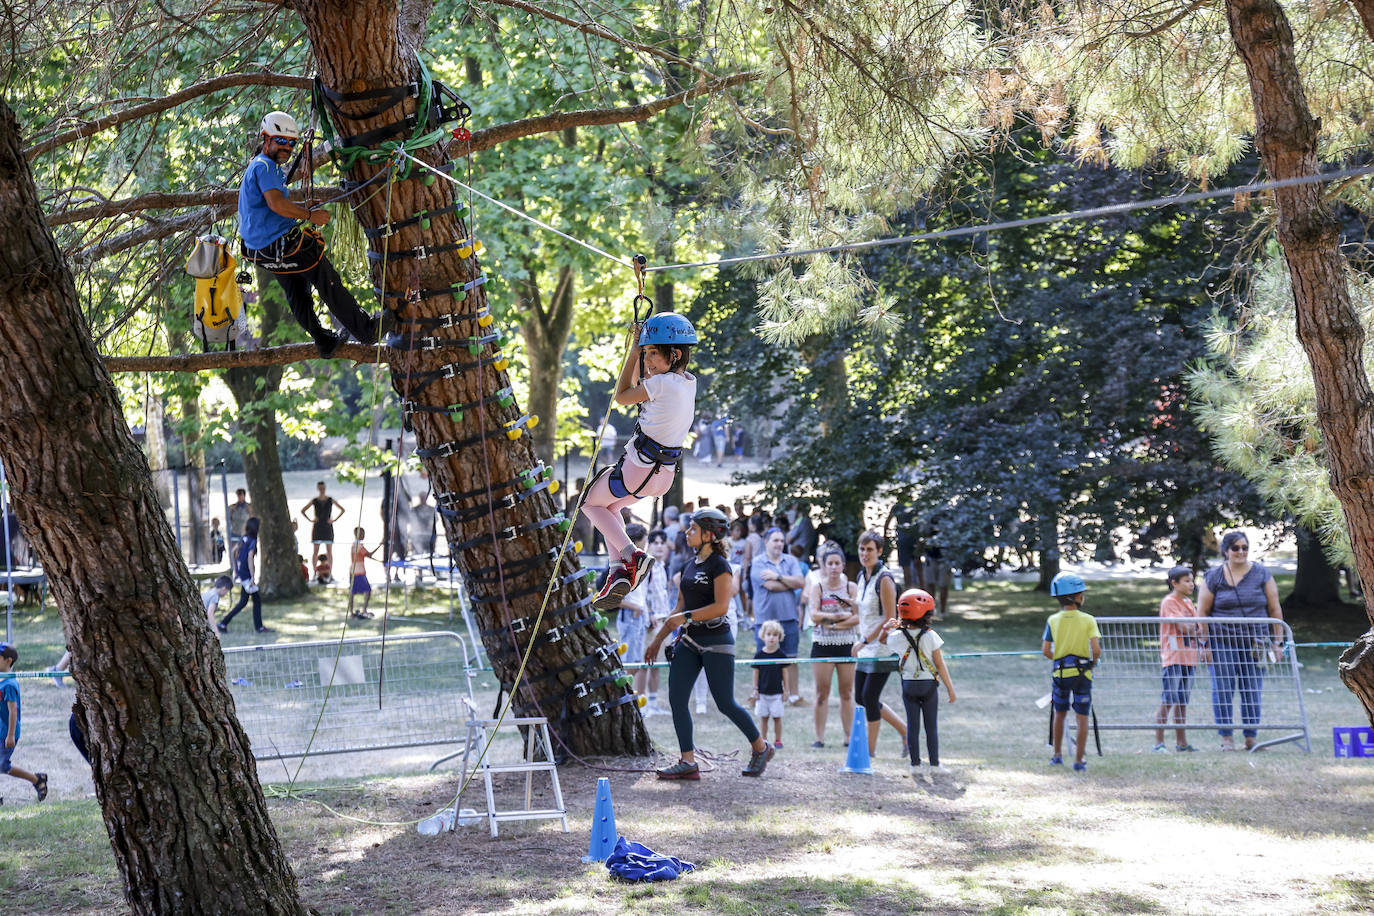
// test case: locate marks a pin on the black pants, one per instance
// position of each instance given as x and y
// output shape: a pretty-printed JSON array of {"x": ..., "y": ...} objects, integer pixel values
[
  {"x": 298, "y": 262},
  {"x": 687, "y": 663},
  {"x": 922, "y": 702},
  {"x": 244, "y": 596},
  {"x": 868, "y": 689}
]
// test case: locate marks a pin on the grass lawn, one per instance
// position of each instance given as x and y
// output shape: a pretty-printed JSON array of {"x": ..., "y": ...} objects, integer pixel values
[{"x": 1276, "y": 832}]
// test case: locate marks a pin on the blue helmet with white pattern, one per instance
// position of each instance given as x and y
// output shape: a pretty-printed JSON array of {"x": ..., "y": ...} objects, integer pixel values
[{"x": 667, "y": 329}]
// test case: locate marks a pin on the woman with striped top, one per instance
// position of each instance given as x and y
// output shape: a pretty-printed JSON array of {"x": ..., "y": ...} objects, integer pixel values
[{"x": 832, "y": 601}]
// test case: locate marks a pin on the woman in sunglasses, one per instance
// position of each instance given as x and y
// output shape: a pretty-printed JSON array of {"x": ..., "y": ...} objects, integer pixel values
[
  {"x": 280, "y": 237},
  {"x": 1239, "y": 588}
]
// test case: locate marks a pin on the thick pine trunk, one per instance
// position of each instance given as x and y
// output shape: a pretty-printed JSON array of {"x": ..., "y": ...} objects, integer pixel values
[
  {"x": 173, "y": 771},
  {"x": 1328, "y": 325},
  {"x": 357, "y": 47}
]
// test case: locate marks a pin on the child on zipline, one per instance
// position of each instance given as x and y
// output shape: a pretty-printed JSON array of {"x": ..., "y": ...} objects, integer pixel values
[{"x": 655, "y": 377}]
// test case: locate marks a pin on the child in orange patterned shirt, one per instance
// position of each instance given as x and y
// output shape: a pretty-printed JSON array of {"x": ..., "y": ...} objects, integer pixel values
[{"x": 1178, "y": 650}]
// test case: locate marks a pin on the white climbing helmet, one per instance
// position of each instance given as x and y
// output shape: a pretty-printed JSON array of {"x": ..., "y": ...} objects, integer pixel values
[{"x": 280, "y": 124}]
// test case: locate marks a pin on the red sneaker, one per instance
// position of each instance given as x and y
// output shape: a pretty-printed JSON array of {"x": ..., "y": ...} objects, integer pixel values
[
  {"x": 639, "y": 566},
  {"x": 618, "y": 585}
]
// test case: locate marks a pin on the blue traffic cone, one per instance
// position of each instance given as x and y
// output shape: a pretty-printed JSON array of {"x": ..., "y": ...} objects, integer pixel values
[
  {"x": 857, "y": 761},
  {"x": 603, "y": 824}
]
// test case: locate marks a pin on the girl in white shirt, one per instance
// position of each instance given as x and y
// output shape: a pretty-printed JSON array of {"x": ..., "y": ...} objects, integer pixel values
[
  {"x": 655, "y": 377},
  {"x": 910, "y": 635}
]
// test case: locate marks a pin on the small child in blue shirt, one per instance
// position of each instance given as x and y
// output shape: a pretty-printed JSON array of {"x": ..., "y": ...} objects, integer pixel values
[{"x": 9, "y": 722}]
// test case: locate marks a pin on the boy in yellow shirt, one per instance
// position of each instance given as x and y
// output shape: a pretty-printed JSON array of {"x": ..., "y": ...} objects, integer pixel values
[{"x": 1073, "y": 642}]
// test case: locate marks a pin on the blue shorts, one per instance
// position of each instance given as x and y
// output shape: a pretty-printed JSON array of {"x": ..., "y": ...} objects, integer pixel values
[
  {"x": 1178, "y": 684},
  {"x": 1082, "y": 694},
  {"x": 791, "y": 638},
  {"x": 5, "y": 753},
  {"x": 360, "y": 585}
]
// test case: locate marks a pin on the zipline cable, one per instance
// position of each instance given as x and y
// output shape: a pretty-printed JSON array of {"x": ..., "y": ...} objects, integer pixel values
[
  {"x": 1086, "y": 213},
  {"x": 525, "y": 216}
]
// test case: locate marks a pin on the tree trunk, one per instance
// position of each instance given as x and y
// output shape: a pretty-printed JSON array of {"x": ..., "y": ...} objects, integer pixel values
[
  {"x": 571, "y": 655},
  {"x": 1049, "y": 551},
  {"x": 155, "y": 441},
  {"x": 545, "y": 332},
  {"x": 279, "y": 569},
  {"x": 1329, "y": 328},
  {"x": 197, "y": 484},
  {"x": 173, "y": 771},
  {"x": 1317, "y": 584}
]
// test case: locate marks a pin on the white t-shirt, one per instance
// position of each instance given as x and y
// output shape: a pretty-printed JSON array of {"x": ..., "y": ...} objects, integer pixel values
[
  {"x": 667, "y": 416},
  {"x": 915, "y": 668}
]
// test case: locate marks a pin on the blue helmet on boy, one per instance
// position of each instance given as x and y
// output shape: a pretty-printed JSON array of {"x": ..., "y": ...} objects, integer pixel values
[
  {"x": 668, "y": 329},
  {"x": 1067, "y": 583}
]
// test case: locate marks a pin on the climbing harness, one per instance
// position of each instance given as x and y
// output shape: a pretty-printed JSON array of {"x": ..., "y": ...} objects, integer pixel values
[{"x": 922, "y": 663}]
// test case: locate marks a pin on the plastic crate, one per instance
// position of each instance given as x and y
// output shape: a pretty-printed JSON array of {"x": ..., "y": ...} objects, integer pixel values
[{"x": 1353, "y": 742}]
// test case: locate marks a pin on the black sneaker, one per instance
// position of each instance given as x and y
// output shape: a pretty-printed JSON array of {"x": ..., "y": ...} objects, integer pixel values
[
  {"x": 681, "y": 770},
  {"x": 222, "y": 627},
  {"x": 328, "y": 346},
  {"x": 266, "y": 630},
  {"x": 758, "y": 760},
  {"x": 618, "y": 585},
  {"x": 41, "y": 786}
]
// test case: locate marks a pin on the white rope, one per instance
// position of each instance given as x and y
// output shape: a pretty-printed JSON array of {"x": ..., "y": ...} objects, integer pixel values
[
  {"x": 1088, "y": 213},
  {"x": 538, "y": 222}
]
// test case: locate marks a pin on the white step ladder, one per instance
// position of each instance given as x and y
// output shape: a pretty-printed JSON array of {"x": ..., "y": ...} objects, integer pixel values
[{"x": 537, "y": 743}]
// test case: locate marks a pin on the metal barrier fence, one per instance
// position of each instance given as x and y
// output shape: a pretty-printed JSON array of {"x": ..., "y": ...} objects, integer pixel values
[
  {"x": 1244, "y": 674},
  {"x": 322, "y": 697}
]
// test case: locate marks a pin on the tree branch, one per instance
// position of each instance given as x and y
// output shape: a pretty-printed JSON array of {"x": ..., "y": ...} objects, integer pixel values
[
  {"x": 591, "y": 28},
  {"x": 551, "y": 123},
  {"x": 234, "y": 359},
  {"x": 1170, "y": 22},
  {"x": 159, "y": 200},
  {"x": 227, "y": 81},
  {"x": 159, "y": 229},
  {"x": 481, "y": 140}
]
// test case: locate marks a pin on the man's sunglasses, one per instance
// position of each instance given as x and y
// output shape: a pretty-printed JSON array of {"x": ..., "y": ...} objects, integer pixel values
[{"x": 288, "y": 142}]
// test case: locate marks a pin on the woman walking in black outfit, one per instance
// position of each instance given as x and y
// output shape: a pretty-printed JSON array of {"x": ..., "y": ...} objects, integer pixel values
[{"x": 706, "y": 642}]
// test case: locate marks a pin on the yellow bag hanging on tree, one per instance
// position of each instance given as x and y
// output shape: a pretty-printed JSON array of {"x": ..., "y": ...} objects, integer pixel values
[{"x": 218, "y": 317}]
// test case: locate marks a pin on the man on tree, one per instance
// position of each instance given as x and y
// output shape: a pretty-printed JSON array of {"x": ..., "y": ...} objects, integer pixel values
[{"x": 275, "y": 239}]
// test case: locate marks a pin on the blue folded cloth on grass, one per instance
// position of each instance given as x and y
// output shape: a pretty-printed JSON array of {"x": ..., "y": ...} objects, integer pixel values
[{"x": 637, "y": 862}]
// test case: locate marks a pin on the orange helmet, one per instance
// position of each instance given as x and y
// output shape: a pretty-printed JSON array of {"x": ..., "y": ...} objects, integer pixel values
[{"x": 914, "y": 604}]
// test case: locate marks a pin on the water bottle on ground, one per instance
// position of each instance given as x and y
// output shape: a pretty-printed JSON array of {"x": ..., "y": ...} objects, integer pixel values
[{"x": 437, "y": 822}]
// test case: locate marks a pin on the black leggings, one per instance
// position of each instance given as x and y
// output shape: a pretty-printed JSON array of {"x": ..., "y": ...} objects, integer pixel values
[
  {"x": 244, "y": 595},
  {"x": 922, "y": 702},
  {"x": 720, "y": 677},
  {"x": 868, "y": 690}
]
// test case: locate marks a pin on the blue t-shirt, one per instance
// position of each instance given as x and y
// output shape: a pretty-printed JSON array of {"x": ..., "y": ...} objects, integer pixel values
[
  {"x": 259, "y": 224},
  {"x": 243, "y": 570},
  {"x": 769, "y": 605},
  {"x": 9, "y": 693}
]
